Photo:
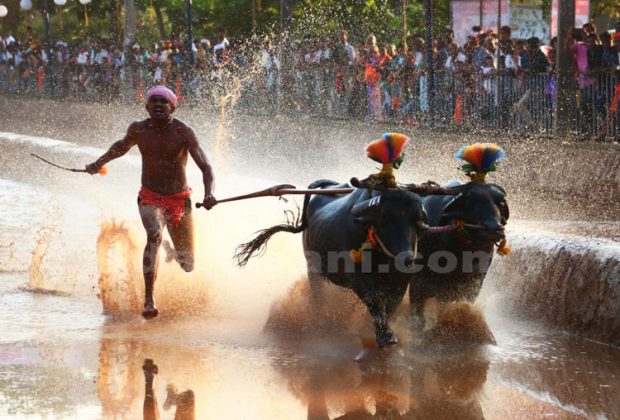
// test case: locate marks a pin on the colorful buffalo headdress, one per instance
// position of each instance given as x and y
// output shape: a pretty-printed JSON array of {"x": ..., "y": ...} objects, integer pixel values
[
  {"x": 481, "y": 159},
  {"x": 388, "y": 150}
]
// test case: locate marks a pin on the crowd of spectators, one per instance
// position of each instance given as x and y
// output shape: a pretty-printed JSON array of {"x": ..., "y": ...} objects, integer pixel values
[
  {"x": 491, "y": 79},
  {"x": 97, "y": 69}
]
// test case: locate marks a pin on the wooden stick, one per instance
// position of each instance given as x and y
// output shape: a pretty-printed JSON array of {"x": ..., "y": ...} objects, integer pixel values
[
  {"x": 282, "y": 189},
  {"x": 57, "y": 166},
  {"x": 287, "y": 189}
]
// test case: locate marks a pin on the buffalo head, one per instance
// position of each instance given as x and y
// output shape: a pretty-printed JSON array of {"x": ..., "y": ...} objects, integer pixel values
[
  {"x": 394, "y": 217},
  {"x": 482, "y": 209}
]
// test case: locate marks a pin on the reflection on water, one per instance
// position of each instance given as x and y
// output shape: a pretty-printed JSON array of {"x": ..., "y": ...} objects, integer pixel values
[
  {"x": 581, "y": 376},
  {"x": 150, "y": 409},
  {"x": 531, "y": 373},
  {"x": 450, "y": 385},
  {"x": 184, "y": 402}
]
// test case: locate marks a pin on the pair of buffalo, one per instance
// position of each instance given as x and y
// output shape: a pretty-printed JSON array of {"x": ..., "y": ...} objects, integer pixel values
[{"x": 379, "y": 242}]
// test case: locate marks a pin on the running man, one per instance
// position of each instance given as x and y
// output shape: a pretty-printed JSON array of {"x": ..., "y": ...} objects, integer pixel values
[{"x": 164, "y": 143}]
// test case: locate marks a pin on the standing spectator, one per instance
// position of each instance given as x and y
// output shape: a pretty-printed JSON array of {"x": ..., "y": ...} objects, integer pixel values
[
  {"x": 480, "y": 53},
  {"x": 596, "y": 70},
  {"x": 373, "y": 83},
  {"x": 506, "y": 67},
  {"x": 551, "y": 88},
  {"x": 589, "y": 29},
  {"x": 420, "y": 70},
  {"x": 385, "y": 58},
  {"x": 611, "y": 53},
  {"x": 488, "y": 89},
  {"x": 344, "y": 59},
  {"x": 469, "y": 48},
  {"x": 595, "y": 55},
  {"x": 455, "y": 66},
  {"x": 505, "y": 47},
  {"x": 268, "y": 75},
  {"x": 580, "y": 52},
  {"x": 395, "y": 80},
  {"x": 534, "y": 66},
  {"x": 537, "y": 62}
]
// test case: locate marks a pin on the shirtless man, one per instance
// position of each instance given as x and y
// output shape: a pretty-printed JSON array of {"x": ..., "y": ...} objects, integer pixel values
[{"x": 164, "y": 143}]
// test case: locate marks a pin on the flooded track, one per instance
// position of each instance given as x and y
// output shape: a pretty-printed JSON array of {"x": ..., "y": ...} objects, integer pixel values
[{"x": 60, "y": 357}]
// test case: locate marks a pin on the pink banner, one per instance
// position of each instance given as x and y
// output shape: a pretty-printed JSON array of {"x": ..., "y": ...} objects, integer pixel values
[
  {"x": 582, "y": 14},
  {"x": 466, "y": 13}
]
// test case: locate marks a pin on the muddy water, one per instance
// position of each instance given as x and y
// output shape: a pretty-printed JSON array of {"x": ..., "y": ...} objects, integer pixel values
[{"x": 69, "y": 248}]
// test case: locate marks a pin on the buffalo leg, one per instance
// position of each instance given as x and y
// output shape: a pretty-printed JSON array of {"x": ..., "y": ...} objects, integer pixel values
[
  {"x": 418, "y": 295},
  {"x": 376, "y": 304}
]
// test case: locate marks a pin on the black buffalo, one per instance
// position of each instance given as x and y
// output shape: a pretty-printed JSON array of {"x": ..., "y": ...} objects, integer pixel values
[
  {"x": 334, "y": 225},
  {"x": 456, "y": 261}
]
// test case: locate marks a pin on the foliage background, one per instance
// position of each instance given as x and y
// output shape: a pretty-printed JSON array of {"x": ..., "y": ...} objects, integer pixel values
[{"x": 162, "y": 19}]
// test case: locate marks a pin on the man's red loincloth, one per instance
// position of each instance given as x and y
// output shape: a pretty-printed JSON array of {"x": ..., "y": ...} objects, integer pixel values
[{"x": 172, "y": 205}]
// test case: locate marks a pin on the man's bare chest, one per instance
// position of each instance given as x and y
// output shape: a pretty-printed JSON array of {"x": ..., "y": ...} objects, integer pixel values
[{"x": 162, "y": 145}]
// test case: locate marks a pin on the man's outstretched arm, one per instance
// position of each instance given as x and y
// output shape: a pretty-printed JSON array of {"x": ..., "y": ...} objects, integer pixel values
[
  {"x": 201, "y": 160},
  {"x": 118, "y": 149}
]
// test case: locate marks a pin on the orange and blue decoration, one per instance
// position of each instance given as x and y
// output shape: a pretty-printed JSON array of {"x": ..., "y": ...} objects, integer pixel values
[
  {"x": 481, "y": 159},
  {"x": 388, "y": 149}
]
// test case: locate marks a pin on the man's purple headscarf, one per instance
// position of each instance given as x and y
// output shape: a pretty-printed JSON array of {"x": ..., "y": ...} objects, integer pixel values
[{"x": 165, "y": 92}]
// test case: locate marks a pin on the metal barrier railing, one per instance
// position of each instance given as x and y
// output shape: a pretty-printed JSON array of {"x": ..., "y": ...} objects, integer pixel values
[
  {"x": 518, "y": 103},
  {"x": 597, "y": 106}
]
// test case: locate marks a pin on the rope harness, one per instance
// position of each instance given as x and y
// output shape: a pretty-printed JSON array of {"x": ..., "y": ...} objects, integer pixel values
[
  {"x": 373, "y": 241},
  {"x": 461, "y": 227}
]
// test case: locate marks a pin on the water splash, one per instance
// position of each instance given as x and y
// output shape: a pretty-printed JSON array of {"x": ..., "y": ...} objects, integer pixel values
[
  {"x": 121, "y": 283},
  {"x": 455, "y": 322},
  {"x": 119, "y": 268},
  {"x": 7, "y": 251},
  {"x": 338, "y": 311},
  {"x": 40, "y": 279},
  {"x": 37, "y": 277},
  {"x": 227, "y": 103}
]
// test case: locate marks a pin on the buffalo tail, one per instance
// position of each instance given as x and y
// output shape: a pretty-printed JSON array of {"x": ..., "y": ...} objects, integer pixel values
[{"x": 294, "y": 224}]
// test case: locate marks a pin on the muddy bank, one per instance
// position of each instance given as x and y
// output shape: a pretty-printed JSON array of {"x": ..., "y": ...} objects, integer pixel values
[
  {"x": 545, "y": 179},
  {"x": 570, "y": 283}
]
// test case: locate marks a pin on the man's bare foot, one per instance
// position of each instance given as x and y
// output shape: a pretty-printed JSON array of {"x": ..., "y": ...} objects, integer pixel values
[
  {"x": 150, "y": 311},
  {"x": 149, "y": 367},
  {"x": 171, "y": 253}
]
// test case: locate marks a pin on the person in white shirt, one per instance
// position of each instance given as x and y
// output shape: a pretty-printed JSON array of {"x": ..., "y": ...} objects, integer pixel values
[
  {"x": 82, "y": 58},
  {"x": 455, "y": 58}
]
